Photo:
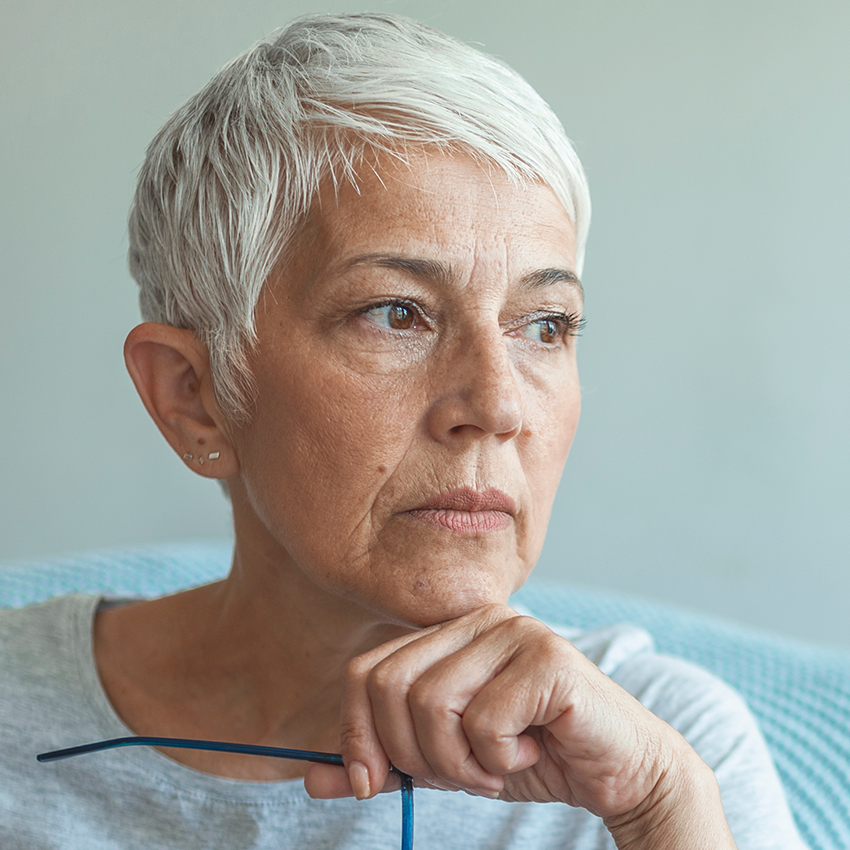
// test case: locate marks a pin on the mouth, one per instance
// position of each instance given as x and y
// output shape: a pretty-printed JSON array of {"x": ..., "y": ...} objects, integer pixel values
[{"x": 466, "y": 511}]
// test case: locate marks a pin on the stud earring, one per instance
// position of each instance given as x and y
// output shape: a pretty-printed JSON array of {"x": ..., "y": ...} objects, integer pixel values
[
  {"x": 213, "y": 455},
  {"x": 187, "y": 456}
]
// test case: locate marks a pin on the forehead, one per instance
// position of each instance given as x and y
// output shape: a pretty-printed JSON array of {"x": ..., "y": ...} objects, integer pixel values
[{"x": 449, "y": 210}]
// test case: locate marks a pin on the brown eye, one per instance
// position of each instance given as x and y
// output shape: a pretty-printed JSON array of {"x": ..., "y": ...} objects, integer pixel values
[
  {"x": 548, "y": 331},
  {"x": 399, "y": 317},
  {"x": 553, "y": 329},
  {"x": 396, "y": 316}
]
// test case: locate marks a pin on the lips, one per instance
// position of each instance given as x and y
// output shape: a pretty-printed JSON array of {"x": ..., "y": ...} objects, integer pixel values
[
  {"x": 468, "y": 499},
  {"x": 466, "y": 511}
]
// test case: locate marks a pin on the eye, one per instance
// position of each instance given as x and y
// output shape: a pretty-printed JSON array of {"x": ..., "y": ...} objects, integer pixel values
[
  {"x": 551, "y": 328},
  {"x": 395, "y": 315},
  {"x": 546, "y": 331}
]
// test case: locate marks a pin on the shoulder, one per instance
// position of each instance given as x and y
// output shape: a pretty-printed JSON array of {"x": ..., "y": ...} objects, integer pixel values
[
  {"x": 45, "y": 657},
  {"x": 47, "y": 677},
  {"x": 37, "y": 639},
  {"x": 42, "y": 657}
]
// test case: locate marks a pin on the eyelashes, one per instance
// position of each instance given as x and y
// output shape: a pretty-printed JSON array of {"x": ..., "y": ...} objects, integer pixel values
[
  {"x": 577, "y": 323},
  {"x": 550, "y": 329},
  {"x": 570, "y": 324}
]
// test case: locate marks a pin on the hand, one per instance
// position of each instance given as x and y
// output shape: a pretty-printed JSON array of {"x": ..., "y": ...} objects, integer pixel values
[{"x": 498, "y": 705}]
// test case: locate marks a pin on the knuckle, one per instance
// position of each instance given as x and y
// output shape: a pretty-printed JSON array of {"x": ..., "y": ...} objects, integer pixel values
[
  {"x": 496, "y": 613},
  {"x": 552, "y": 650},
  {"x": 490, "y": 747},
  {"x": 528, "y": 633},
  {"x": 387, "y": 678},
  {"x": 353, "y": 737},
  {"x": 455, "y": 765},
  {"x": 428, "y": 697},
  {"x": 522, "y": 624},
  {"x": 357, "y": 669},
  {"x": 479, "y": 726}
]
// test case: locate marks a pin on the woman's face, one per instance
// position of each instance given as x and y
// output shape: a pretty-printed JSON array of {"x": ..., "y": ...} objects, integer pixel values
[{"x": 417, "y": 390}]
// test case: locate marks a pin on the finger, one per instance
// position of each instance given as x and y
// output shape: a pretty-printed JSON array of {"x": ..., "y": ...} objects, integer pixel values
[
  {"x": 389, "y": 685},
  {"x": 474, "y": 706},
  {"x": 329, "y": 782},
  {"x": 409, "y": 689},
  {"x": 392, "y": 680},
  {"x": 367, "y": 763},
  {"x": 535, "y": 687},
  {"x": 375, "y": 723},
  {"x": 439, "y": 702}
]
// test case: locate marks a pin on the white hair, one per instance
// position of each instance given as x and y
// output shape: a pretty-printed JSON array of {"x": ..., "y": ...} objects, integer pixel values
[{"x": 228, "y": 180}]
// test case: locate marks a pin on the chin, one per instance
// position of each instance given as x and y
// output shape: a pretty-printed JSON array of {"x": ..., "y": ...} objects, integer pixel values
[{"x": 431, "y": 600}]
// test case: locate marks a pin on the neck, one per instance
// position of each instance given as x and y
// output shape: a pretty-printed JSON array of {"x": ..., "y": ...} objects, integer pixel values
[{"x": 257, "y": 658}]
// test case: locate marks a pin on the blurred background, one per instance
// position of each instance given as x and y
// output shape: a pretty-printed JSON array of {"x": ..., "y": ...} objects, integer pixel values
[{"x": 712, "y": 462}]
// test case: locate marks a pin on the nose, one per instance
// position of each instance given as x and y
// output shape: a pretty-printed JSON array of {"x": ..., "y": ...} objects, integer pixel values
[{"x": 476, "y": 392}]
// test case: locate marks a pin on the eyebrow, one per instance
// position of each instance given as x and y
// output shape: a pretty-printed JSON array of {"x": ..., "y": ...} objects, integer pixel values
[
  {"x": 442, "y": 272},
  {"x": 418, "y": 268},
  {"x": 547, "y": 277}
]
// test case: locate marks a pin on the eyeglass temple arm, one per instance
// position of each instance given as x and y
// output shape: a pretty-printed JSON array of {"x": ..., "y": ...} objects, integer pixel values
[
  {"x": 246, "y": 749},
  {"x": 192, "y": 744}
]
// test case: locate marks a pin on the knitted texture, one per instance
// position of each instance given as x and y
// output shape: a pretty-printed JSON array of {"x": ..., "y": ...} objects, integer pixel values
[
  {"x": 145, "y": 572},
  {"x": 799, "y": 693}
]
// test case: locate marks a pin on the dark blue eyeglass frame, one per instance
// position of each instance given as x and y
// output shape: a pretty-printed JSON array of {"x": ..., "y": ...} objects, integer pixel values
[{"x": 246, "y": 749}]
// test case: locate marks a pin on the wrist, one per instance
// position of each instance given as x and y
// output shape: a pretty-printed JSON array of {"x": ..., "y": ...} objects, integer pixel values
[{"x": 683, "y": 811}]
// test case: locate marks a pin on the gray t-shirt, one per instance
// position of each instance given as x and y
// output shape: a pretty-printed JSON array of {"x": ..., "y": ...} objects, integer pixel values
[{"x": 138, "y": 799}]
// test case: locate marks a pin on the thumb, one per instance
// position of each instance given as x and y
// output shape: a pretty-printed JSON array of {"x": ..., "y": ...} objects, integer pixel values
[
  {"x": 366, "y": 764},
  {"x": 328, "y": 782}
]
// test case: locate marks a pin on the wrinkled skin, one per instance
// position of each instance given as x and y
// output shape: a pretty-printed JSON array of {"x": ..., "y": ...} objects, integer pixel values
[
  {"x": 357, "y": 422},
  {"x": 417, "y": 396}
]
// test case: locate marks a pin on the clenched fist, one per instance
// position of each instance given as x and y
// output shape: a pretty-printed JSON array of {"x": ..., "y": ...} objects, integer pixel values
[{"x": 496, "y": 704}]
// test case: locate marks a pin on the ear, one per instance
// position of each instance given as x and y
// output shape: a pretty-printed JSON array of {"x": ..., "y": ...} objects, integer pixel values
[{"x": 171, "y": 370}]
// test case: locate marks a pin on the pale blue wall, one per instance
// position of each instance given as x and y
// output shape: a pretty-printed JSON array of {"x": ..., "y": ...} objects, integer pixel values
[{"x": 712, "y": 462}]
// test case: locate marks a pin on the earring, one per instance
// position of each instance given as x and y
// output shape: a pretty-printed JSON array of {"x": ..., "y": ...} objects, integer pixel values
[{"x": 210, "y": 456}]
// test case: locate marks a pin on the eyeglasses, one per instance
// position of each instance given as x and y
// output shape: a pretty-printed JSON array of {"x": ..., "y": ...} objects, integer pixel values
[{"x": 246, "y": 749}]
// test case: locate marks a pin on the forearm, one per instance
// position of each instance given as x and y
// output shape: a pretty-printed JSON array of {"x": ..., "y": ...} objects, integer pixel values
[{"x": 684, "y": 812}]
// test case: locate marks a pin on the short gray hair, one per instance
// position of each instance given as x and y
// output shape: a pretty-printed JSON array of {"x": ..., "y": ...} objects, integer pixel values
[{"x": 228, "y": 180}]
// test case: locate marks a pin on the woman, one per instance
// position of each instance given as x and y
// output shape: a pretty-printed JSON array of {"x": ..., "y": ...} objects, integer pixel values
[{"x": 359, "y": 250}]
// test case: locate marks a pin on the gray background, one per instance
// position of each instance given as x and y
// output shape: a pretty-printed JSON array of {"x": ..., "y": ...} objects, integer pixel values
[{"x": 712, "y": 461}]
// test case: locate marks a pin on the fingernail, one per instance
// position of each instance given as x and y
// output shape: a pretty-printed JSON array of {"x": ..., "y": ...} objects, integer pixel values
[{"x": 358, "y": 776}]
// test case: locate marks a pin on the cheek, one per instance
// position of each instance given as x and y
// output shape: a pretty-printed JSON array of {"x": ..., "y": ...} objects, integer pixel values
[
  {"x": 550, "y": 432},
  {"x": 323, "y": 446},
  {"x": 552, "y": 415}
]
